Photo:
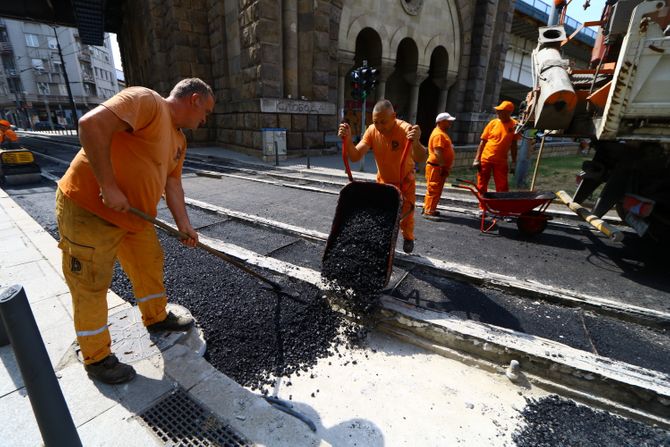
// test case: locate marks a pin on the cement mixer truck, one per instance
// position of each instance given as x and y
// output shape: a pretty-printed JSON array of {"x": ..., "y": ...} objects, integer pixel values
[{"x": 621, "y": 103}]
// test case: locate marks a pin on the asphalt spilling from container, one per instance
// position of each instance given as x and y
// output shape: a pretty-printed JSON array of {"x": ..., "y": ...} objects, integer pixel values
[
  {"x": 553, "y": 421},
  {"x": 356, "y": 264},
  {"x": 253, "y": 334}
]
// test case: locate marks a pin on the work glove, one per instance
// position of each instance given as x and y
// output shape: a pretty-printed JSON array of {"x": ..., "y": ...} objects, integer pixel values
[{"x": 476, "y": 165}]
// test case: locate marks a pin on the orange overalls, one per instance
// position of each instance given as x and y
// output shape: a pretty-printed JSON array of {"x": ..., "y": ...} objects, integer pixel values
[
  {"x": 93, "y": 236},
  {"x": 499, "y": 137},
  {"x": 437, "y": 174},
  {"x": 388, "y": 151}
]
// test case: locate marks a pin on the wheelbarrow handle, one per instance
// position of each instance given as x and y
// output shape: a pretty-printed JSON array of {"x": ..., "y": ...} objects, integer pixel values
[
  {"x": 345, "y": 159},
  {"x": 180, "y": 234},
  {"x": 467, "y": 184}
]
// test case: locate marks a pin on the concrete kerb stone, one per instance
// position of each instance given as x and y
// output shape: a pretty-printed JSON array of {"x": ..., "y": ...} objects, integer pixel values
[{"x": 634, "y": 390}]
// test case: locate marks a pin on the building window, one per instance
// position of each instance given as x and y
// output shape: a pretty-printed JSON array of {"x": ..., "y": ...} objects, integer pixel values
[
  {"x": 53, "y": 43},
  {"x": 38, "y": 64},
  {"x": 62, "y": 89},
  {"x": 32, "y": 40},
  {"x": 43, "y": 88}
]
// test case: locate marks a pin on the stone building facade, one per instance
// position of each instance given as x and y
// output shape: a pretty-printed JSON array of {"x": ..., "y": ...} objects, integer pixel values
[{"x": 285, "y": 64}]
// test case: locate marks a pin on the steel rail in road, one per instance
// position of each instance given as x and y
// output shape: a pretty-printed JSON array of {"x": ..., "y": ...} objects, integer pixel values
[{"x": 456, "y": 200}]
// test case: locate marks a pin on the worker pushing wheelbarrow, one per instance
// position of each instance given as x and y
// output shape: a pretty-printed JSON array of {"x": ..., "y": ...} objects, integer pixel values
[
  {"x": 396, "y": 147},
  {"x": 527, "y": 206}
]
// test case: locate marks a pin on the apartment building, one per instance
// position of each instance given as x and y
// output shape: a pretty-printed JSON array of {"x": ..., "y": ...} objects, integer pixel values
[{"x": 33, "y": 91}]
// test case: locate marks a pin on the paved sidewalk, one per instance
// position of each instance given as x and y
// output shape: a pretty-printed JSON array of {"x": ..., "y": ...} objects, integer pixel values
[{"x": 107, "y": 415}]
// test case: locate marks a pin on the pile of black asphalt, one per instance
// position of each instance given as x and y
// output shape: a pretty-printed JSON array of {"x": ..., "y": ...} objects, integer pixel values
[
  {"x": 253, "y": 334},
  {"x": 356, "y": 263},
  {"x": 553, "y": 421}
]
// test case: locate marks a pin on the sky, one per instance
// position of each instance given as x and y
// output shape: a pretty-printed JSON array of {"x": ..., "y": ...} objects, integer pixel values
[
  {"x": 115, "y": 52},
  {"x": 575, "y": 10}
]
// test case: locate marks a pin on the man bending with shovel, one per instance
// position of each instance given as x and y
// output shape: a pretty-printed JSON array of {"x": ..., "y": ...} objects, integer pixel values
[
  {"x": 132, "y": 152},
  {"x": 387, "y": 136}
]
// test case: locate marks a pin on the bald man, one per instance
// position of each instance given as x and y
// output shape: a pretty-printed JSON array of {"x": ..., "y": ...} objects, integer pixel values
[{"x": 387, "y": 136}]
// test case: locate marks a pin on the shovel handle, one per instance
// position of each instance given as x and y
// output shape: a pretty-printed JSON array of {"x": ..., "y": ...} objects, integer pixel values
[
  {"x": 180, "y": 234},
  {"x": 345, "y": 159}
]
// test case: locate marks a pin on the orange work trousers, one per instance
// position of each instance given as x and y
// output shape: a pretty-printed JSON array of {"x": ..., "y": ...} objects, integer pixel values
[
  {"x": 499, "y": 176},
  {"x": 435, "y": 178},
  {"x": 408, "y": 191},
  {"x": 90, "y": 246}
]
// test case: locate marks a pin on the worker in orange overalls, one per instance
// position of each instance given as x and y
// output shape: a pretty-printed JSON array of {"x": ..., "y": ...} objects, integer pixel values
[
  {"x": 7, "y": 136},
  {"x": 438, "y": 166},
  {"x": 132, "y": 152},
  {"x": 498, "y": 139},
  {"x": 386, "y": 136}
]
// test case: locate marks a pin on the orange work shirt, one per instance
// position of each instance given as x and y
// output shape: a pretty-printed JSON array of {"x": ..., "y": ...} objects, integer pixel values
[
  {"x": 142, "y": 158},
  {"x": 8, "y": 135},
  {"x": 499, "y": 137},
  {"x": 387, "y": 149},
  {"x": 440, "y": 139}
]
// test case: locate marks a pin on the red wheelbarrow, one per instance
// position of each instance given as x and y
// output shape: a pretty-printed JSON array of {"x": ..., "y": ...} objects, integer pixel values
[{"x": 527, "y": 206}]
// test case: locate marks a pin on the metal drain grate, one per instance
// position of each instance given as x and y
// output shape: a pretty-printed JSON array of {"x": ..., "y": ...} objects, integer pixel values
[{"x": 180, "y": 421}]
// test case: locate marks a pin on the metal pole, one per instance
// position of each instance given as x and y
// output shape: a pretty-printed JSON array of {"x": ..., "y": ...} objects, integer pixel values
[
  {"x": 276, "y": 153},
  {"x": 75, "y": 118},
  {"x": 537, "y": 164},
  {"x": 46, "y": 397},
  {"x": 4, "y": 340},
  {"x": 365, "y": 96}
]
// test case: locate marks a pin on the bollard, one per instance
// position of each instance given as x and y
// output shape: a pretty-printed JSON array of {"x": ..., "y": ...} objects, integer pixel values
[
  {"x": 51, "y": 412},
  {"x": 309, "y": 166},
  {"x": 276, "y": 153},
  {"x": 4, "y": 340}
]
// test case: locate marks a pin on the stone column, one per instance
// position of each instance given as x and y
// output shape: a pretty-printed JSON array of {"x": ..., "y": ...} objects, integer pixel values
[
  {"x": 415, "y": 81},
  {"x": 384, "y": 73},
  {"x": 444, "y": 92},
  {"x": 290, "y": 34}
]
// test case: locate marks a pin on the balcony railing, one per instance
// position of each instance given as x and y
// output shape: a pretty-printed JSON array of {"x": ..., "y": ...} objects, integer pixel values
[
  {"x": 5, "y": 47},
  {"x": 85, "y": 55}
]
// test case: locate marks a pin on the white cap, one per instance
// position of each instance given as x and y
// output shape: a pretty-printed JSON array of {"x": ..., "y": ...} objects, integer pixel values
[{"x": 444, "y": 116}]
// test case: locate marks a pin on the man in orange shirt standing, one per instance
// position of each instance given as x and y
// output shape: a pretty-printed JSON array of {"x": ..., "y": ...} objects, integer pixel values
[
  {"x": 387, "y": 136},
  {"x": 440, "y": 161},
  {"x": 132, "y": 152},
  {"x": 497, "y": 140}
]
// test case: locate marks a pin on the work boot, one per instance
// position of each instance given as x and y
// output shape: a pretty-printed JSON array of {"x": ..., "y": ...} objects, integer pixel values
[
  {"x": 110, "y": 370},
  {"x": 432, "y": 216},
  {"x": 408, "y": 245},
  {"x": 172, "y": 323}
]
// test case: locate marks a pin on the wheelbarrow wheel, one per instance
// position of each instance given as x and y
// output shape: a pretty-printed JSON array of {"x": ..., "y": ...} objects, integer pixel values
[{"x": 532, "y": 222}]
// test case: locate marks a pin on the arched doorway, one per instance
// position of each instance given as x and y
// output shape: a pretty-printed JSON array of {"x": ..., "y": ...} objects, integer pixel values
[
  {"x": 397, "y": 86},
  {"x": 368, "y": 48},
  {"x": 429, "y": 92}
]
